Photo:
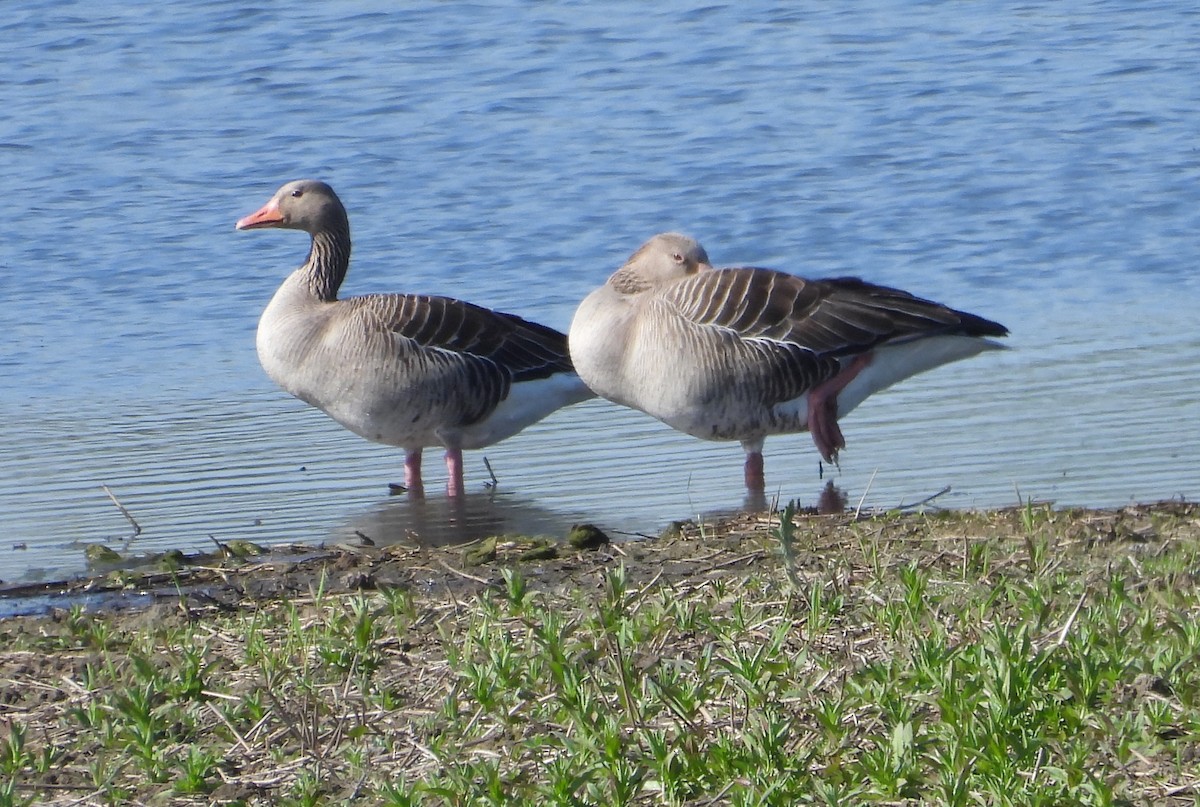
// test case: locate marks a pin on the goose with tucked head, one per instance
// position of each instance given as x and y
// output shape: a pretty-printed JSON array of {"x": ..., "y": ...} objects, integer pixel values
[
  {"x": 407, "y": 370},
  {"x": 745, "y": 353}
]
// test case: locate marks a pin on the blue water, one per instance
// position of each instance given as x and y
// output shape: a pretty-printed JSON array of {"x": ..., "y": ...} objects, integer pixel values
[{"x": 1036, "y": 164}]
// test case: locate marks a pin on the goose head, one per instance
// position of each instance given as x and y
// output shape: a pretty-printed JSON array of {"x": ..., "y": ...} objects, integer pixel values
[
  {"x": 305, "y": 204},
  {"x": 663, "y": 259}
]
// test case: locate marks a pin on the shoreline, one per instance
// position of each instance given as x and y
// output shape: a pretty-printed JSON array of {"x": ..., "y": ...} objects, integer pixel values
[
  {"x": 242, "y": 568},
  {"x": 721, "y": 663}
]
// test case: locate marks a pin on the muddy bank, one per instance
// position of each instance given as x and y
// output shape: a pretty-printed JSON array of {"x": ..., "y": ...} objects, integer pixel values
[{"x": 239, "y": 576}]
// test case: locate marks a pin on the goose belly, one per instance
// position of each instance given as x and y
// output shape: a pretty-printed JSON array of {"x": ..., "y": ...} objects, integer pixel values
[
  {"x": 408, "y": 416},
  {"x": 711, "y": 399},
  {"x": 731, "y": 413}
]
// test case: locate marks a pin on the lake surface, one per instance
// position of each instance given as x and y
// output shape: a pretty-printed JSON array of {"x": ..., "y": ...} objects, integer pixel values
[{"x": 1037, "y": 164}]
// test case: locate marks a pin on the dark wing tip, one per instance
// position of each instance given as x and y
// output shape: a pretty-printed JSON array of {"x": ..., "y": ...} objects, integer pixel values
[
  {"x": 975, "y": 325},
  {"x": 967, "y": 324},
  {"x": 531, "y": 350}
]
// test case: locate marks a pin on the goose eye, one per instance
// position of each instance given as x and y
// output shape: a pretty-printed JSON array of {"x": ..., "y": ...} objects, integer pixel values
[
  {"x": 296, "y": 194},
  {"x": 678, "y": 258}
]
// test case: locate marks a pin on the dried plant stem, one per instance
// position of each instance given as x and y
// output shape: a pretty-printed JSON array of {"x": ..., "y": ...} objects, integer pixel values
[{"x": 137, "y": 528}]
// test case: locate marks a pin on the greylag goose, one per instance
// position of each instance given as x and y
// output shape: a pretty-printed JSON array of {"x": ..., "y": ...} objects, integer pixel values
[
  {"x": 406, "y": 370},
  {"x": 743, "y": 353}
]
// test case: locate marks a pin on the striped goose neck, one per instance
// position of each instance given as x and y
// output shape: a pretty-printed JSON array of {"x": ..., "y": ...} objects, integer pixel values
[
  {"x": 327, "y": 263},
  {"x": 628, "y": 280}
]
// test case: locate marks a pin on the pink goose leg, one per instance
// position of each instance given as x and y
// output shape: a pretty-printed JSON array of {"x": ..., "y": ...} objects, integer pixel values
[
  {"x": 754, "y": 471},
  {"x": 412, "y": 473},
  {"x": 454, "y": 469},
  {"x": 754, "y": 464}
]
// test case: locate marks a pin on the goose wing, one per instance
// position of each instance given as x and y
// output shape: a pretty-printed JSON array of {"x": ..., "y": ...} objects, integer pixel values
[
  {"x": 802, "y": 327},
  {"x": 490, "y": 349}
]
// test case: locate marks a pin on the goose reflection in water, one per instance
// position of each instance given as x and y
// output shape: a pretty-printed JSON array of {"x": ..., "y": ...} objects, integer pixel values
[{"x": 450, "y": 520}]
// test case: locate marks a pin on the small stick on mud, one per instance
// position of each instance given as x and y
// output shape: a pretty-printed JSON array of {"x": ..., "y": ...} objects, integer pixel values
[
  {"x": 137, "y": 528},
  {"x": 461, "y": 573},
  {"x": 925, "y": 501}
]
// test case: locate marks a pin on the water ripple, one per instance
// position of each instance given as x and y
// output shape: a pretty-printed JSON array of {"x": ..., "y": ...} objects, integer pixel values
[{"x": 1034, "y": 165}]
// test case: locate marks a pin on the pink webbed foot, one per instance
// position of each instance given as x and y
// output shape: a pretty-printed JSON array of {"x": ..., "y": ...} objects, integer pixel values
[{"x": 822, "y": 409}]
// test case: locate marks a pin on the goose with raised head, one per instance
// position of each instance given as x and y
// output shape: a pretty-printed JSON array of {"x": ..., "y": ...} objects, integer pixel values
[
  {"x": 407, "y": 370},
  {"x": 744, "y": 353}
]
